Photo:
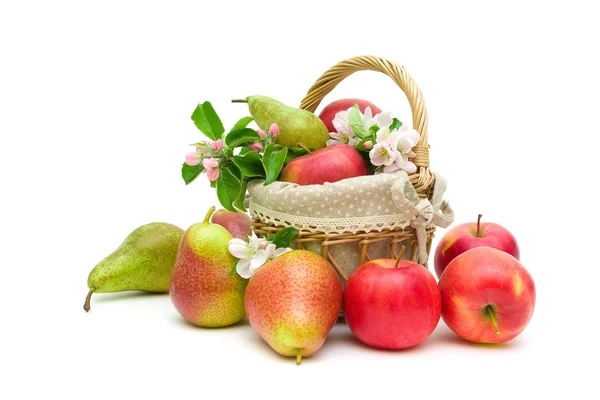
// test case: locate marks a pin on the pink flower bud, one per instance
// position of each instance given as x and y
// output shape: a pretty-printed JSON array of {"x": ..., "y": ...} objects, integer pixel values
[
  {"x": 274, "y": 130},
  {"x": 368, "y": 145},
  {"x": 261, "y": 133},
  {"x": 217, "y": 145},
  {"x": 192, "y": 159},
  {"x": 263, "y": 245},
  {"x": 210, "y": 163},
  {"x": 213, "y": 174},
  {"x": 256, "y": 146}
]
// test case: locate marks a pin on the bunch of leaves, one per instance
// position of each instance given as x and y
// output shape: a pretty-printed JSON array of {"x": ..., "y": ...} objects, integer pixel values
[{"x": 237, "y": 163}]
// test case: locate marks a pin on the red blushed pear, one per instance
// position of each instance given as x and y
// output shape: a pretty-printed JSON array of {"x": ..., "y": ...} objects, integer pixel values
[
  {"x": 329, "y": 164},
  {"x": 293, "y": 301},
  {"x": 487, "y": 296},
  {"x": 466, "y": 236},
  {"x": 392, "y": 304},
  {"x": 202, "y": 288}
]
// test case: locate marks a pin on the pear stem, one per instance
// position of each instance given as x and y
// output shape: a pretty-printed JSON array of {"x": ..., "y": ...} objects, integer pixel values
[
  {"x": 303, "y": 147},
  {"x": 209, "y": 214},
  {"x": 86, "y": 305},
  {"x": 298, "y": 357},
  {"x": 492, "y": 313},
  {"x": 478, "y": 224},
  {"x": 402, "y": 250},
  {"x": 239, "y": 101}
]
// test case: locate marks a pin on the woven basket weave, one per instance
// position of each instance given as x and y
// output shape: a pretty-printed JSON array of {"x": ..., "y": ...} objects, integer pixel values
[{"x": 369, "y": 243}]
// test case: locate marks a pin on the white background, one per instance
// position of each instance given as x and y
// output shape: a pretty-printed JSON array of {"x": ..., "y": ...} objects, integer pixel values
[{"x": 95, "y": 105}]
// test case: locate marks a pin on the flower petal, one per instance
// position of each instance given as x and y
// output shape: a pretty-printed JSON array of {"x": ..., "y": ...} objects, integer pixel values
[
  {"x": 238, "y": 248},
  {"x": 243, "y": 268},
  {"x": 260, "y": 257},
  {"x": 280, "y": 251},
  {"x": 410, "y": 167},
  {"x": 391, "y": 168},
  {"x": 383, "y": 119},
  {"x": 270, "y": 250}
]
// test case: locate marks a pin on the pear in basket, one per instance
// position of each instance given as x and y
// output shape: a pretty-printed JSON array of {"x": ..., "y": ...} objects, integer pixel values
[
  {"x": 202, "y": 288},
  {"x": 296, "y": 125},
  {"x": 293, "y": 301}
]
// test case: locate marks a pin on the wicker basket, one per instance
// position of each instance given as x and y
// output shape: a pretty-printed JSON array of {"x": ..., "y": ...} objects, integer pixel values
[{"x": 369, "y": 243}]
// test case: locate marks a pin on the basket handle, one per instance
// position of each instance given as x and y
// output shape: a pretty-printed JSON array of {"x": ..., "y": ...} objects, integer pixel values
[{"x": 330, "y": 79}]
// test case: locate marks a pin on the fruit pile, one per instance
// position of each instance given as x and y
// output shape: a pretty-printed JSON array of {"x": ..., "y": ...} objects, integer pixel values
[{"x": 217, "y": 272}]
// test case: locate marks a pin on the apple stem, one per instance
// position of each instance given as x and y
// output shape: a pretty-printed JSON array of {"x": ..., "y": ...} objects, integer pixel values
[
  {"x": 303, "y": 147},
  {"x": 298, "y": 357},
  {"x": 239, "y": 101},
  {"x": 478, "y": 224},
  {"x": 86, "y": 305},
  {"x": 492, "y": 313},
  {"x": 402, "y": 250},
  {"x": 209, "y": 214}
]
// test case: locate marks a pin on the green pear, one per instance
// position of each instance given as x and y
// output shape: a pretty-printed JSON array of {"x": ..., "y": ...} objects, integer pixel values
[
  {"x": 203, "y": 289},
  {"x": 144, "y": 261},
  {"x": 295, "y": 125}
]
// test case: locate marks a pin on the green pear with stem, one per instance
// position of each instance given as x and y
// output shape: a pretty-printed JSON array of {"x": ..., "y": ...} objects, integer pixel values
[
  {"x": 144, "y": 261},
  {"x": 295, "y": 125}
]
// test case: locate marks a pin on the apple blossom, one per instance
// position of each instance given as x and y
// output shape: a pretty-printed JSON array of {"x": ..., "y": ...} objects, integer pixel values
[{"x": 211, "y": 166}]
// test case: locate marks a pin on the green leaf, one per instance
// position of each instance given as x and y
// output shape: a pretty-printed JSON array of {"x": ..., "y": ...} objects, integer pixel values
[
  {"x": 250, "y": 164},
  {"x": 395, "y": 124},
  {"x": 206, "y": 119},
  {"x": 234, "y": 269},
  {"x": 273, "y": 160},
  {"x": 241, "y": 136},
  {"x": 242, "y": 123},
  {"x": 356, "y": 122},
  {"x": 189, "y": 173},
  {"x": 228, "y": 188},
  {"x": 294, "y": 152},
  {"x": 284, "y": 237},
  {"x": 239, "y": 202},
  {"x": 374, "y": 129}
]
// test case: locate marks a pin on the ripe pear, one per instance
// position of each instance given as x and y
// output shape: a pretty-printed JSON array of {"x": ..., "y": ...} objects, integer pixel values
[
  {"x": 293, "y": 301},
  {"x": 144, "y": 261},
  {"x": 237, "y": 223},
  {"x": 202, "y": 288},
  {"x": 295, "y": 125}
]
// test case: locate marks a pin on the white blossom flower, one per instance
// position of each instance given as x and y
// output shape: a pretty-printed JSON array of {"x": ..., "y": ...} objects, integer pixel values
[
  {"x": 253, "y": 254},
  {"x": 402, "y": 143},
  {"x": 344, "y": 133},
  {"x": 382, "y": 154}
]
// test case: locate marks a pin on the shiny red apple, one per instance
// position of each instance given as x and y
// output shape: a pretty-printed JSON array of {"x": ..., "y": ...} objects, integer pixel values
[
  {"x": 328, "y": 164},
  {"x": 328, "y": 113},
  {"x": 464, "y": 237},
  {"x": 487, "y": 296},
  {"x": 391, "y": 306}
]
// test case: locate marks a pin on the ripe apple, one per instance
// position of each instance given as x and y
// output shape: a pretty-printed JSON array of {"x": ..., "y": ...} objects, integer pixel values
[
  {"x": 328, "y": 113},
  {"x": 487, "y": 296},
  {"x": 392, "y": 305},
  {"x": 328, "y": 164},
  {"x": 464, "y": 237}
]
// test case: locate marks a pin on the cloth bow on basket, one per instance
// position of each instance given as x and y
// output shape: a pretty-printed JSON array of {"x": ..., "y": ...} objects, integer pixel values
[{"x": 423, "y": 213}]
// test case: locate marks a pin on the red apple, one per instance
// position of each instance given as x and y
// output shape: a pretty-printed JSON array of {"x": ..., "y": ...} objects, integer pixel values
[
  {"x": 328, "y": 113},
  {"x": 487, "y": 296},
  {"x": 464, "y": 237},
  {"x": 237, "y": 223},
  {"x": 392, "y": 307},
  {"x": 328, "y": 164}
]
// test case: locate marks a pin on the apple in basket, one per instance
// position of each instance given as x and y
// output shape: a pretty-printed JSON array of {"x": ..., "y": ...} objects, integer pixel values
[
  {"x": 466, "y": 236},
  {"x": 392, "y": 304},
  {"x": 328, "y": 164},
  {"x": 487, "y": 296},
  {"x": 328, "y": 113}
]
